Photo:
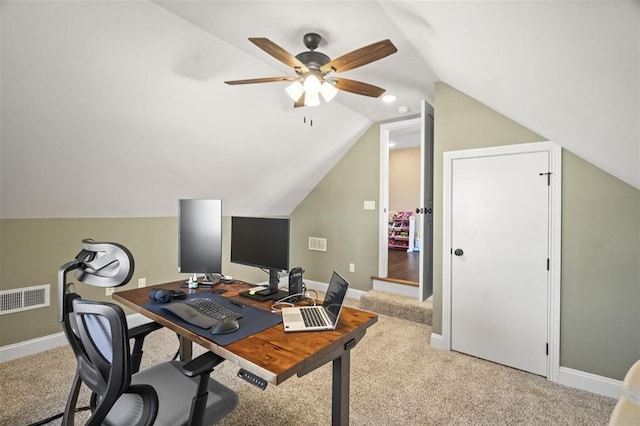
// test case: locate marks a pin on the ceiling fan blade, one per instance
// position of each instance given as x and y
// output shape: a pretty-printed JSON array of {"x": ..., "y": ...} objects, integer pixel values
[
  {"x": 299, "y": 102},
  {"x": 261, "y": 80},
  {"x": 360, "y": 57},
  {"x": 279, "y": 53},
  {"x": 358, "y": 87}
]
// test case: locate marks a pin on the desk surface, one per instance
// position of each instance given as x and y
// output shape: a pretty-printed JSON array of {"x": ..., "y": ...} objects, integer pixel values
[{"x": 271, "y": 354}]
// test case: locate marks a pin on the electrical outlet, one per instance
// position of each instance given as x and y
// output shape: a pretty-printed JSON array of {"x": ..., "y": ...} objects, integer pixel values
[
  {"x": 109, "y": 291},
  {"x": 142, "y": 282},
  {"x": 352, "y": 267}
]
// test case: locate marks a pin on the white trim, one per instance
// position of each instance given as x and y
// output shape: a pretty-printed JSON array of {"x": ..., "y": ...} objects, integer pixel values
[
  {"x": 33, "y": 346},
  {"x": 395, "y": 288},
  {"x": 555, "y": 264},
  {"x": 437, "y": 342},
  {"x": 45, "y": 343},
  {"x": 590, "y": 382},
  {"x": 555, "y": 197}
]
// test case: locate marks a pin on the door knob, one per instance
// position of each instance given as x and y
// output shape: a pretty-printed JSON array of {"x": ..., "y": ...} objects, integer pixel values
[
  {"x": 458, "y": 252},
  {"x": 418, "y": 210}
]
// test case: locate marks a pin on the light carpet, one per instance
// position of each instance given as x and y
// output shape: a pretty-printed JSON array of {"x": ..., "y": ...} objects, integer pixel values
[{"x": 396, "y": 379}]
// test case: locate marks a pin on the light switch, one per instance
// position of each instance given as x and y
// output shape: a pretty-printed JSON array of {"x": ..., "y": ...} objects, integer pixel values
[{"x": 369, "y": 205}]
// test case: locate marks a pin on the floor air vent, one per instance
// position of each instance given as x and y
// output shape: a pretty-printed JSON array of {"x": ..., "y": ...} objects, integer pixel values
[{"x": 23, "y": 299}]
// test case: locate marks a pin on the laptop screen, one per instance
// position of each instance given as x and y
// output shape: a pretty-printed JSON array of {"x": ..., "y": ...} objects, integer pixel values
[{"x": 335, "y": 296}]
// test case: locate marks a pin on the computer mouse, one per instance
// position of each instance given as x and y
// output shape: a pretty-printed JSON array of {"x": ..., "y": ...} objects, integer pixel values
[{"x": 225, "y": 325}]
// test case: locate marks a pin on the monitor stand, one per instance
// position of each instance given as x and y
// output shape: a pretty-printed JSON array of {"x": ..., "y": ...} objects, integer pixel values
[
  {"x": 271, "y": 293},
  {"x": 280, "y": 294}
]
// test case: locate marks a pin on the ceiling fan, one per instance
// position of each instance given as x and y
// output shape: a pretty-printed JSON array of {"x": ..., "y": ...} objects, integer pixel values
[{"x": 315, "y": 71}]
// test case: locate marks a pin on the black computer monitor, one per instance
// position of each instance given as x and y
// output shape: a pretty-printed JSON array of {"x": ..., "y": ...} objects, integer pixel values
[
  {"x": 200, "y": 238},
  {"x": 262, "y": 242}
]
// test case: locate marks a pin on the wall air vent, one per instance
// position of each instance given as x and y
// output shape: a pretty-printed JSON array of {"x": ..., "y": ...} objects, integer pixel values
[
  {"x": 24, "y": 299},
  {"x": 317, "y": 244}
]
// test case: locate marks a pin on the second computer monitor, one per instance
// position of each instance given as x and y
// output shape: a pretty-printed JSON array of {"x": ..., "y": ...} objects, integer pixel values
[{"x": 262, "y": 242}]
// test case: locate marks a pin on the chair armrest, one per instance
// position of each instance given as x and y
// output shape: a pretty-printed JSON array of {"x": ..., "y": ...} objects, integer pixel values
[
  {"x": 138, "y": 334},
  {"x": 205, "y": 363},
  {"x": 143, "y": 330}
]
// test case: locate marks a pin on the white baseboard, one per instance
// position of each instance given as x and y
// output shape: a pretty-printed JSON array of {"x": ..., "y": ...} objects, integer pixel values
[
  {"x": 33, "y": 346},
  {"x": 45, "y": 343},
  {"x": 437, "y": 342},
  {"x": 590, "y": 382}
]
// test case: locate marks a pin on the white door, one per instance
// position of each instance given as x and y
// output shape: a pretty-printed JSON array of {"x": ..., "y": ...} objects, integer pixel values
[{"x": 499, "y": 258}]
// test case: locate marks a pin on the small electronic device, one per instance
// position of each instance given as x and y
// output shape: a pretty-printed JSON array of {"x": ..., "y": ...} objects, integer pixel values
[
  {"x": 316, "y": 318},
  {"x": 296, "y": 285}
]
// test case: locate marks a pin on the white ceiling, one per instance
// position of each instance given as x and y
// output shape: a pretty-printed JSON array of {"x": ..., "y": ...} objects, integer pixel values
[{"x": 118, "y": 108}]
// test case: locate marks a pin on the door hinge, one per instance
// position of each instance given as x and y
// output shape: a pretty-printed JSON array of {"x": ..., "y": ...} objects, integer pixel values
[
  {"x": 547, "y": 349},
  {"x": 548, "y": 177},
  {"x": 548, "y": 264}
]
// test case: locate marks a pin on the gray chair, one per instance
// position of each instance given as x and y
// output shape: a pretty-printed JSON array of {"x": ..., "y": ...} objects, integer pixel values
[{"x": 170, "y": 393}]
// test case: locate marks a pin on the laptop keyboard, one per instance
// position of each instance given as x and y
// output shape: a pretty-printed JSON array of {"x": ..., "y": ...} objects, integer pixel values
[{"x": 312, "y": 317}]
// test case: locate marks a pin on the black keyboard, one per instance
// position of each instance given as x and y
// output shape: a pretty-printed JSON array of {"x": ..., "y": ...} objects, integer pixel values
[
  {"x": 312, "y": 317},
  {"x": 203, "y": 313},
  {"x": 213, "y": 309}
]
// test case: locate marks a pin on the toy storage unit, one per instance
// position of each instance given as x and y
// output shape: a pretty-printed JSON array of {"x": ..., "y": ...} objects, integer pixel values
[{"x": 401, "y": 230}]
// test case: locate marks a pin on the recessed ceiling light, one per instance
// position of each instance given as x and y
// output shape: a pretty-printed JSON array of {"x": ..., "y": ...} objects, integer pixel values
[
  {"x": 403, "y": 109},
  {"x": 388, "y": 98}
]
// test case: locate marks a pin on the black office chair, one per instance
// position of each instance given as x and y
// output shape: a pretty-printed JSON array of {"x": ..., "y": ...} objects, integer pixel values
[{"x": 170, "y": 393}]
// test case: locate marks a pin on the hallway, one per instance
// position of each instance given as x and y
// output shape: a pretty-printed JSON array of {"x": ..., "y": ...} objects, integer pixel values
[{"x": 404, "y": 265}]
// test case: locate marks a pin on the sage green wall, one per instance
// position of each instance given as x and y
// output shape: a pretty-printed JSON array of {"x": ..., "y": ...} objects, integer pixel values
[
  {"x": 461, "y": 122},
  {"x": 32, "y": 250},
  {"x": 334, "y": 210},
  {"x": 600, "y": 299}
]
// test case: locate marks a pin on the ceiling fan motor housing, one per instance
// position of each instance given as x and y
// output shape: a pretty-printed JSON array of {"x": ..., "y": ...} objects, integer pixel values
[{"x": 313, "y": 60}]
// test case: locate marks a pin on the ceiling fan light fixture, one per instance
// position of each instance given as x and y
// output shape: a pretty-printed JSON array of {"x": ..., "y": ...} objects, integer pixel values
[
  {"x": 328, "y": 91},
  {"x": 295, "y": 90},
  {"x": 311, "y": 99},
  {"x": 312, "y": 84}
]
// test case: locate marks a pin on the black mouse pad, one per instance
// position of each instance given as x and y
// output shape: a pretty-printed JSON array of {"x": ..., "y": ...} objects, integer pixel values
[{"x": 253, "y": 320}]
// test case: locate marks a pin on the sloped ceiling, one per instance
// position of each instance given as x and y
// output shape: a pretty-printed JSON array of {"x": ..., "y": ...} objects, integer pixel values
[{"x": 118, "y": 108}]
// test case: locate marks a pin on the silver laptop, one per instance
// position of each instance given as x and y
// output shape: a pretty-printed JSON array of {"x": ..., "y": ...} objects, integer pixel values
[{"x": 315, "y": 318}]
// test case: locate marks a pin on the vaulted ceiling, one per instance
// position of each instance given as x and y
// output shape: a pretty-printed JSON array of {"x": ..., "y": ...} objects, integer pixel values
[{"x": 118, "y": 108}]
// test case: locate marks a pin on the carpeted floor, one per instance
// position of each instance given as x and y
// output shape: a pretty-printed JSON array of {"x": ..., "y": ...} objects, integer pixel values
[{"x": 396, "y": 379}]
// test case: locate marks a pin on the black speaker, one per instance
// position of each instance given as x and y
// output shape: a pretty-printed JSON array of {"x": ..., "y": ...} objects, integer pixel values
[
  {"x": 166, "y": 296},
  {"x": 296, "y": 285}
]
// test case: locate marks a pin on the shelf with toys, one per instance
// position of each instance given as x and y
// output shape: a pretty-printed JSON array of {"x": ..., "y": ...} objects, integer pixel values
[{"x": 401, "y": 230}]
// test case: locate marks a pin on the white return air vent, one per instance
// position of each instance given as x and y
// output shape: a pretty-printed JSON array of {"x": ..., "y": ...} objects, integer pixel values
[
  {"x": 23, "y": 299},
  {"x": 317, "y": 244}
]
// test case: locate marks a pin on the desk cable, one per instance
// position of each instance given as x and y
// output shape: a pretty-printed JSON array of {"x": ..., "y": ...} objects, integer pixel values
[{"x": 279, "y": 304}]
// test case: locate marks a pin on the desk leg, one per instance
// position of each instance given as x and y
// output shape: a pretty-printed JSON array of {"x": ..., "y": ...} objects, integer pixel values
[
  {"x": 340, "y": 390},
  {"x": 186, "y": 349}
]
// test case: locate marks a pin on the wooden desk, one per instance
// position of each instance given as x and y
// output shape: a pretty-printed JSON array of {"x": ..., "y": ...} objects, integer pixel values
[{"x": 273, "y": 354}]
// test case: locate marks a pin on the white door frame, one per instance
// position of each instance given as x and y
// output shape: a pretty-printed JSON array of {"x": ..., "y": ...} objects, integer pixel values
[
  {"x": 383, "y": 243},
  {"x": 555, "y": 194}
]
